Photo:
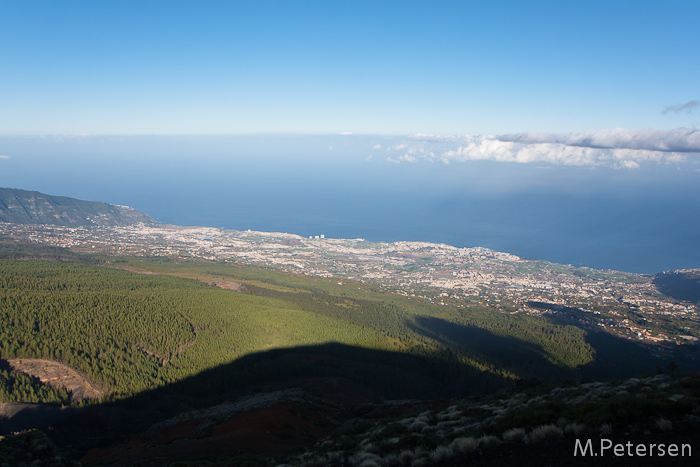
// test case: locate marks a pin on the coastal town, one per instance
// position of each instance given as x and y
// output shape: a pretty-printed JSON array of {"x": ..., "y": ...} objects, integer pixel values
[{"x": 624, "y": 304}]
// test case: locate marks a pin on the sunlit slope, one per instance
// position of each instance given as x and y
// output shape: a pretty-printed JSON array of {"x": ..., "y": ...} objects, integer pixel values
[
  {"x": 129, "y": 331},
  {"x": 514, "y": 345}
]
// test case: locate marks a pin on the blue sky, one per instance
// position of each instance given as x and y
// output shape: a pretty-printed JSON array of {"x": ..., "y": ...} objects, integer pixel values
[
  {"x": 367, "y": 67},
  {"x": 561, "y": 130}
]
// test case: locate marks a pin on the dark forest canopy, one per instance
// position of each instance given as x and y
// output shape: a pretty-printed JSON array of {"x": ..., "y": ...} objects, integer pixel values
[{"x": 129, "y": 332}]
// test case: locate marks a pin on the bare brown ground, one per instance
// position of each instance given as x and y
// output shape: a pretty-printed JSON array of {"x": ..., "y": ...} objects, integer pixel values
[
  {"x": 230, "y": 285},
  {"x": 272, "y": 430},
  {"x": 58, "y": 375}
]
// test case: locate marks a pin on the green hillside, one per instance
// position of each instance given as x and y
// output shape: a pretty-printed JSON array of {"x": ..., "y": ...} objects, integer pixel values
[
  {"x": 32, "y": 207},
  {"x": 128, "y": 332}
]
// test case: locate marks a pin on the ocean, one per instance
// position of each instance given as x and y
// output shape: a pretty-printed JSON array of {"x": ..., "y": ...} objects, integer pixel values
[{"x": 645, "y": 220}]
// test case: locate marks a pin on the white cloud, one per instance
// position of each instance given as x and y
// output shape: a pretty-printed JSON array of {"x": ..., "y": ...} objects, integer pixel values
[
  {"x": 2, "y": 156},
  {"x": 629, "y": 164},
  {"x": 557, "y": 153},
  {"x": 617, "y": 148},
  {"x": 678, "y": 140},
  {"x": 346, "y": 132},
  {"x": 404, "y": 158},
  {"x": 377, "y": 146}
]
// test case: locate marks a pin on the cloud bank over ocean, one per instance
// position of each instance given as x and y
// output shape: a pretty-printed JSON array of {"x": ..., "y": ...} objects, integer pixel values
[
  {"x": 678, "y": 140},
  {"x": 616, "y": 148}
]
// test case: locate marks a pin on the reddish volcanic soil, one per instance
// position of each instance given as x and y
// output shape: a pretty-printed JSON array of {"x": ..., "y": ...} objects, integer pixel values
[{"x": 272, "y": 430}]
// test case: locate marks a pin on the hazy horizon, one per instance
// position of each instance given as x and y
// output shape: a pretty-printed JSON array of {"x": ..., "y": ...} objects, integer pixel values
[
  {"x": 641, "y": 219},
  {"x": 545, "y": 129}
]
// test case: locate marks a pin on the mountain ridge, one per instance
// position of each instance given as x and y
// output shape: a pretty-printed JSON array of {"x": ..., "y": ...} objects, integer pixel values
[{"x": 32, "y": 207}]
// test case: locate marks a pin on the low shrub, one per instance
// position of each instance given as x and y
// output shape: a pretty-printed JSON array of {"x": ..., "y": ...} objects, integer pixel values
[
  {"x": 545, "y": 433},
  {"x": 514, "y": 435}
]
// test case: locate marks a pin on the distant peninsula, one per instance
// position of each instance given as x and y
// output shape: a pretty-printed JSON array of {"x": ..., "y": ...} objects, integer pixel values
[{"x": 31, "y": 207}]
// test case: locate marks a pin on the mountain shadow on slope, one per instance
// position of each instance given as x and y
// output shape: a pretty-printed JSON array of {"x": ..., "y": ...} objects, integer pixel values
[
  {"x": 681, "y": 285},
  {"x": 335, "y": 381},
  {"x": 614, "y": 357},
  {"x": 345, "y": 374},
  {"x": 524, "y": 359},
  {"x": 619, "y": 358},
  {"x": 383, "y": 374}
]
